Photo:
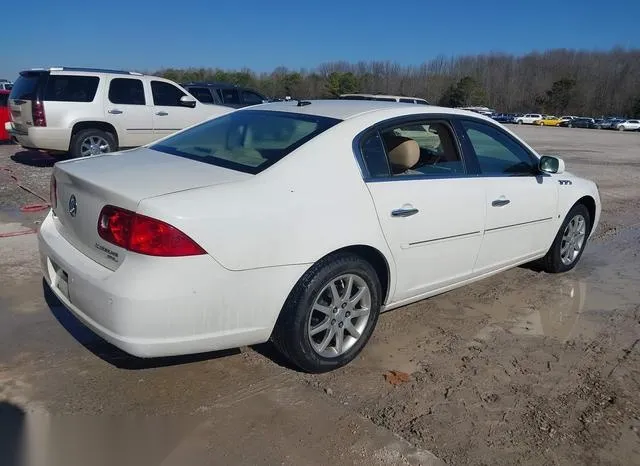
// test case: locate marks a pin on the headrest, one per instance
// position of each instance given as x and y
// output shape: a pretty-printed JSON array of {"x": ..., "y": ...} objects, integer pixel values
[{"x": 404, "y": 153}]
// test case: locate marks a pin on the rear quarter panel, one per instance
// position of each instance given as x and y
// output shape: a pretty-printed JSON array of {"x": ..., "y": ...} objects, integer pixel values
[{"x": 309, "y": 204}]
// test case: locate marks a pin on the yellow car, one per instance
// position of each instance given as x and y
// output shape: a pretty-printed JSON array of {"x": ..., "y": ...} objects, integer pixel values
[{"x": 548, "y": 120}]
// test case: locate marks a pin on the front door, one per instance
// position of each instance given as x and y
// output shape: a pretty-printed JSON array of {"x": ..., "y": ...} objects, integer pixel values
[
  {"x": 129, "y": 111},
  {"x": 169, "y": 114},
  {"x": 430, "y": 210},
  {"x": 520, "y": 201}
]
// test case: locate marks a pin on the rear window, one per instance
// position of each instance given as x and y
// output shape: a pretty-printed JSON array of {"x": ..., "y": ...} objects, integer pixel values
[
  {"x": 247, "y": 141},
  {"x": 67, "y": 88},
  {"x": 25, "y": 87}
]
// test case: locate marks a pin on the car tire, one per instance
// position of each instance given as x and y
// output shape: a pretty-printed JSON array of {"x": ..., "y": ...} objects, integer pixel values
[
  {"x": 318, "y": 302},
  {"x": 563, "y": 255},
  {"x": 569, "y": 125},
  {"x": 91, "y": 142},
  {"x": 620, "y": 128},
  {"x": 519, "y": 122}
]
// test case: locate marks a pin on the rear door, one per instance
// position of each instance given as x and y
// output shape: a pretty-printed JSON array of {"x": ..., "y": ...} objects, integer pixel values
[
  {"x": 27, "y": 88},
  {"x": 129, "y": 110},
  {"x": 432, "y": 214},
  {"x": 520, "y": 202}
]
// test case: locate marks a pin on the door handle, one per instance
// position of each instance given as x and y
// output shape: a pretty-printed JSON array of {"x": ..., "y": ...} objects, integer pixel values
[
  {"x": 162, "y": 113},
  {"x": 404, "y": 212},
  {"x": 115, "y": 111},
  {"x": 500, "y": 202}
]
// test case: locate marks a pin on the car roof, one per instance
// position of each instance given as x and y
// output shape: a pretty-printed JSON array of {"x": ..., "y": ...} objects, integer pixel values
[
  {"x": 59, "y": 69},
  {"x": 213, "y": 84},
  {"x": 345, "y": 109},
  {"x": 381, "y": 96}
]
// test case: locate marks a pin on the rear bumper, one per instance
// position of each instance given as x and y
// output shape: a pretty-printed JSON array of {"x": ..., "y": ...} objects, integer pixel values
[
  {"x": 153, "y": 306},
  {"x": 41, "y": 138}
]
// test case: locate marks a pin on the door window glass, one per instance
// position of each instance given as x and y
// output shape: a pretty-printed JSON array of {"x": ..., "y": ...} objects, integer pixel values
[
  {"x": 497, "y": 153},
  {"x": 126, "y": 91},
  {"x": 166, "y": 94}
]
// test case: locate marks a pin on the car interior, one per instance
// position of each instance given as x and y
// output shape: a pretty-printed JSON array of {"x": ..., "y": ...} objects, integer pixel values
[{"x": 421, "y": 149}]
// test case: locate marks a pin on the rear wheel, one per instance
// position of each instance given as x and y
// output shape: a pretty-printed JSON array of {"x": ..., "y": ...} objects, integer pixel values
[
  {"x": 330, "y": 314},
  {"x": 89, "y": 142},
  {"x": 569, "y": 243}
]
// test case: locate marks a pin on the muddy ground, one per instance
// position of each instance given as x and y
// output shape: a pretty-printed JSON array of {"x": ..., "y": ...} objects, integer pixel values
[{"x": 521, "y": 368}]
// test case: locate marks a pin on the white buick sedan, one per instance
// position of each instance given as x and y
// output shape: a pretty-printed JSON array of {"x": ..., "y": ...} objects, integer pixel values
[{"x": 300, "y": 222}]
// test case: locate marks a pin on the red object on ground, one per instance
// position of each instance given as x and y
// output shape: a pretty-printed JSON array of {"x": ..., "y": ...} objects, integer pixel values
[{"x": 4, "y": 114}]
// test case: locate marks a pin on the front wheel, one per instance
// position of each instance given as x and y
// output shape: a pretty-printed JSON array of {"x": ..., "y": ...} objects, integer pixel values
[
  {"x": 330, "y": 314},
  {"x": 569, "y": 243},
  {"x": 620, "y": 128},
  {"x": 519, "y": 122}
]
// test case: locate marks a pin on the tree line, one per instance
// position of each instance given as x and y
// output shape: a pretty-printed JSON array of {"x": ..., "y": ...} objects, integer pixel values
[{"x": 557, "y": 81}]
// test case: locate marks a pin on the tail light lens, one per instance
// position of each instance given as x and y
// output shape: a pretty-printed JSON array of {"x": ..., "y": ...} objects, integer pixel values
[
  {"x": 37, "y": 112},
  {"x": 144, "y": 235},
  {"x": 53, "y": 195}
]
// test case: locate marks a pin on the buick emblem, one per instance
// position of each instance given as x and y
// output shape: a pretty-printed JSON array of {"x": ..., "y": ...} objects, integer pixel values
[{"x": 73, "y": 206}]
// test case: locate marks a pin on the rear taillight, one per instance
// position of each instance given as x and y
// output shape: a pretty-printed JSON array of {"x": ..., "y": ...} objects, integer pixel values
[
  {"x": 37, "y": 112},
  {"x": 144, "y": 235},
  {"x": 53, "y": 195}
]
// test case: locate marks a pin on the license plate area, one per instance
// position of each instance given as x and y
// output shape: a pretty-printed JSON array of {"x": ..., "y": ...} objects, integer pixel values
[{"x": 59, "y": 278}]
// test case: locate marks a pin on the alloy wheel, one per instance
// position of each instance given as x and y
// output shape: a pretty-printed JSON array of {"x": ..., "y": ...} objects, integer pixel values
[
  {"x": 94, "y": 145},
  {"x": 573, "y": 239},
  {"x": 339, "y": 315}
]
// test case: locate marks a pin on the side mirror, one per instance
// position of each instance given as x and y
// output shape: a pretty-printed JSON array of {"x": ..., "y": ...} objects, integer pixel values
[
  {"x": 549, "y": 164},
  {"x": 187, "y": 101}
]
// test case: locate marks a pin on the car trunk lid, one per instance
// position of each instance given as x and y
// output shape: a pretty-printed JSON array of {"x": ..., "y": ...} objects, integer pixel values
[{"x": 123, "y": 179}]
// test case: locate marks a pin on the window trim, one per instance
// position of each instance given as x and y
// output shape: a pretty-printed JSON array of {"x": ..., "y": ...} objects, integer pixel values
[{"x": 448, "y": 119}]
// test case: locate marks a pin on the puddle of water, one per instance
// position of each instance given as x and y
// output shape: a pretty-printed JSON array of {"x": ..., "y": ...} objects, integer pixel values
[{"x": 552, "y": 312}]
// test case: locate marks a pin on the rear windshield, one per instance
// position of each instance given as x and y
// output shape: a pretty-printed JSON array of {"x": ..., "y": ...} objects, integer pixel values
[
  {"x": 248, "y": 141},
  {"x": 25, "y": 87},
  {"x": 67, "y": 88}
]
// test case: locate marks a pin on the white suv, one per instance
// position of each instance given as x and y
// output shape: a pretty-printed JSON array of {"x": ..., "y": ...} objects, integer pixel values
[
  {"x": 89, "y": 111},
  {"x": 529, "y": 118},
  {"x": 628, "y": 125}
]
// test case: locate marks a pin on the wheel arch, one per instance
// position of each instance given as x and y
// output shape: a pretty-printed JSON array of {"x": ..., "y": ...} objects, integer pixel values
[
  {"x": 590, "y": 203},
  {"x": 96, "y": 124},
  {"x": 373, "y": 256}
]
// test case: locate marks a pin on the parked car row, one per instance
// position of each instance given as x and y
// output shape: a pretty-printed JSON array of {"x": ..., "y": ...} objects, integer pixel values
[{"x": 569, "y": 121}]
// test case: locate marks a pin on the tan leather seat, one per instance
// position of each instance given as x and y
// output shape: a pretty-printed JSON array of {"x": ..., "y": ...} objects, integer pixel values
[{"x": 404, "y": 153}]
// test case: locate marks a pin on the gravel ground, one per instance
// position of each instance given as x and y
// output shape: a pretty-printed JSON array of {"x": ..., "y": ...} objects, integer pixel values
[{"x": 521, "y": 368}]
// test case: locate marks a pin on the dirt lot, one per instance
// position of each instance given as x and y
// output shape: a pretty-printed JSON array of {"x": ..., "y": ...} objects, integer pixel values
[{"x": 521, "y": 368}]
